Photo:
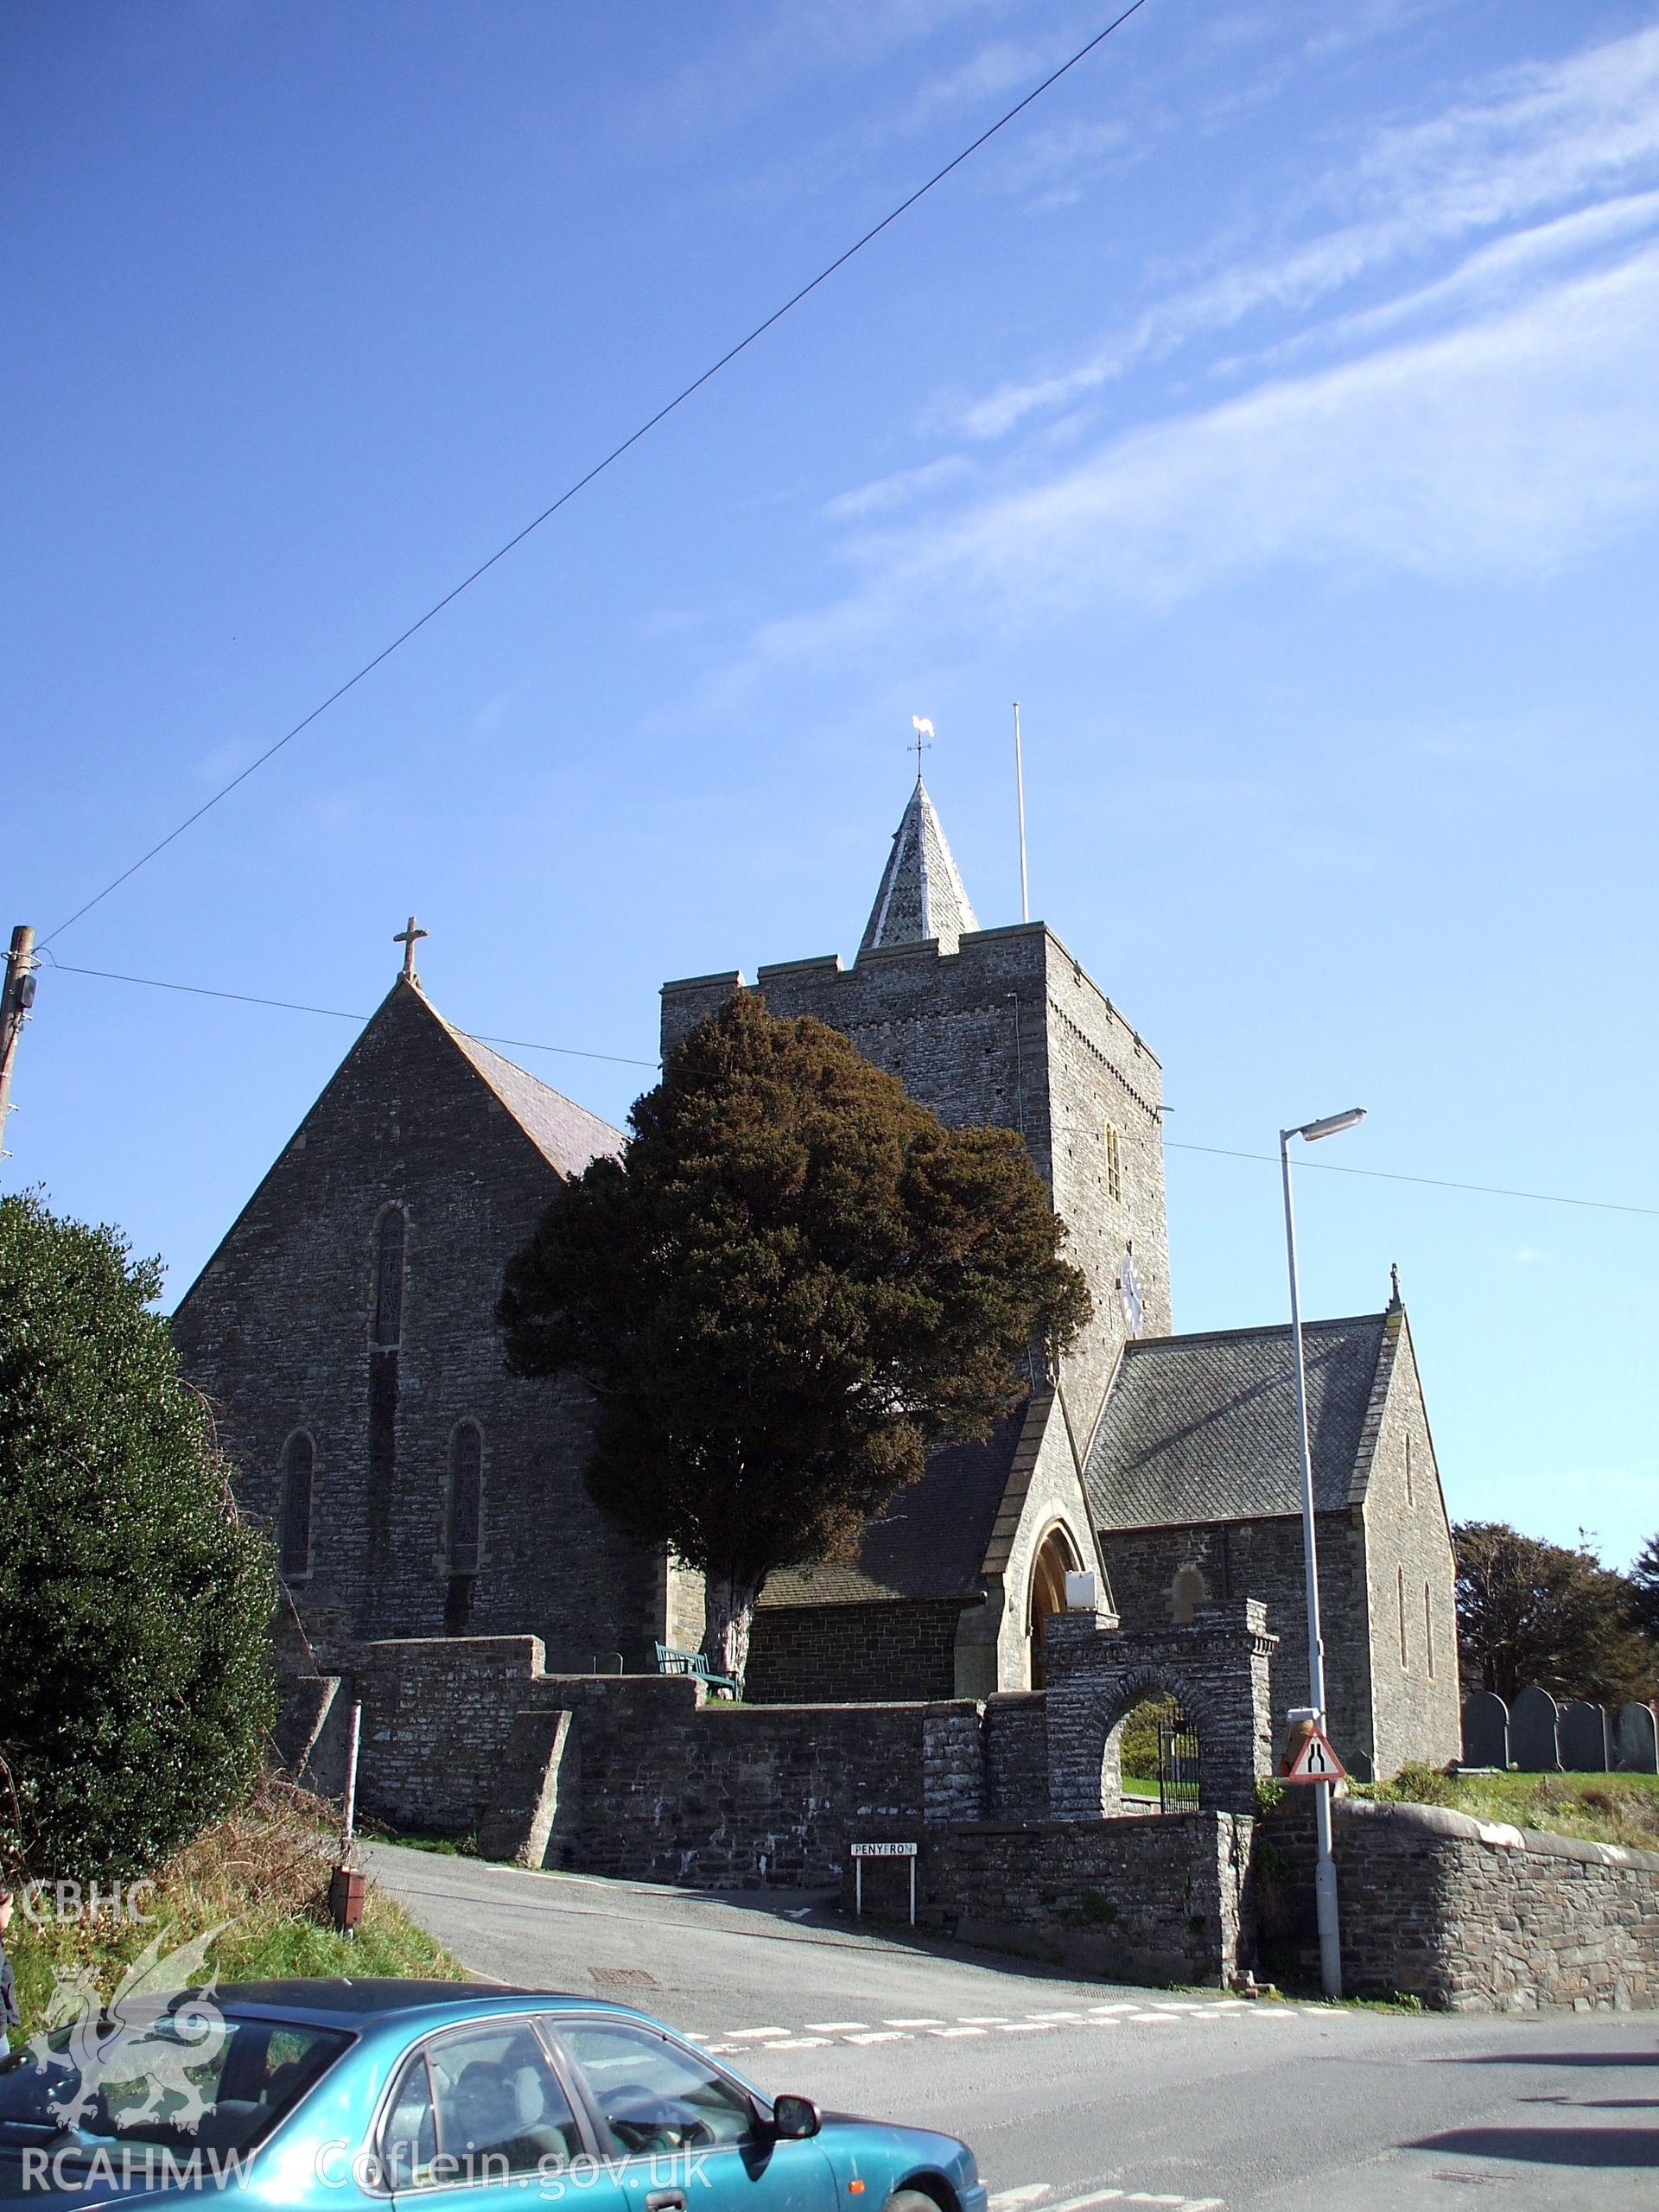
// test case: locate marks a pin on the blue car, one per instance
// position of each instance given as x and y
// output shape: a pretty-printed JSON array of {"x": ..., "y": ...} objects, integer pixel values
[{"x": 359, "y": 2096}]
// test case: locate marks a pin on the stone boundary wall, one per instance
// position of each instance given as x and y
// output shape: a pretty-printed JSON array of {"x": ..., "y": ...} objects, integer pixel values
[
  {"x": 1466, "y": 1914},
  {"x": 1136, "y": 1899},
  {"x": 650, "y": 1780}
]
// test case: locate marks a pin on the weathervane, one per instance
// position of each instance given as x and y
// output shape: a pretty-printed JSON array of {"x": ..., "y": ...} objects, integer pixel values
[{"x": 923, "y": 740}]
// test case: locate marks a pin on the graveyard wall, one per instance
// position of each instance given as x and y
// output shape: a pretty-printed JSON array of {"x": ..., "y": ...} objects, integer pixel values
[
  {"x": 655, "y": 1781},
  {"x": 1465, "y": 1915},
  {"x": 1142, "y": 1899}
]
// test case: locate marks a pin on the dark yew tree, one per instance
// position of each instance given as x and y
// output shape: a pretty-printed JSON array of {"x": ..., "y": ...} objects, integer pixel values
[
  {"x": 795, "y": 1283},
  {"x": 1532, "y": 1613},
  {"x": 136, "y": 1680}
]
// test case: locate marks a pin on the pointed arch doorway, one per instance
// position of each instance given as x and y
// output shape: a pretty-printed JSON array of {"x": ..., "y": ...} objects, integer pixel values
[{"x": 1056, "y": 1557}]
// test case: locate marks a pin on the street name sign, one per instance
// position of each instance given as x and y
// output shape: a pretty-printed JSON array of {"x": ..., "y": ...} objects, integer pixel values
[{"x": 858, "y": 1852}]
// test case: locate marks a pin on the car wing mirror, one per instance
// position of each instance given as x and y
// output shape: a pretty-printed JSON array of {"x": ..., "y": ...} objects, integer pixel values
[{"x": 793, "y": 2119}]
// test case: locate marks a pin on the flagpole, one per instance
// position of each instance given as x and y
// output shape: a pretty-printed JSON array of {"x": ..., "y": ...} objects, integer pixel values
[{"x": 1020, "y": 786}]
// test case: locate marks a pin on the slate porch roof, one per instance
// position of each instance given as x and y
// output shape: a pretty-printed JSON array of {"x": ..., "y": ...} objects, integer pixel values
[
  {"x": 1200, "y": 1428},
  {"x": 931, "y": 1542}
]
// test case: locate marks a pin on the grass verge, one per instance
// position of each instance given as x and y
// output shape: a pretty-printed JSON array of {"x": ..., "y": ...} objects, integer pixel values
[
  {"x": 1599, "y": 1808},
  {"x": 264, "y": 1870}
]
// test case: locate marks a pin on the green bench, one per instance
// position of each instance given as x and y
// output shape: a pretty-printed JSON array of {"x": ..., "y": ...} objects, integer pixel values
[{"x": 669, "y": 1662}]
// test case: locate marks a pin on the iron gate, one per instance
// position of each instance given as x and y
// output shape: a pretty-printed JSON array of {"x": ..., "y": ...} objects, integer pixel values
[{"x": 1178, "y": 1763}]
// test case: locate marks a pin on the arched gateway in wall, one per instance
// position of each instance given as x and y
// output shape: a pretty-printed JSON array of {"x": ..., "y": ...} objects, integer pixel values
[{"x": 1097, "y": 1673}]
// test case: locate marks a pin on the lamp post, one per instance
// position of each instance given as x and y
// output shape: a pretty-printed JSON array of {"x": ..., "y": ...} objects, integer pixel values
[{"x": 1324, "y": 1878}]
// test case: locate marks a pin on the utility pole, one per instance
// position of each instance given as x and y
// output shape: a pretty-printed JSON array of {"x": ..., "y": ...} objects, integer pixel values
[{"x": 15, "y": 999}]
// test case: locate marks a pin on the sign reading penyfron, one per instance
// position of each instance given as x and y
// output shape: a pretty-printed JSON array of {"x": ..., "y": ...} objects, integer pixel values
[{"x": 882, "y": 1850}]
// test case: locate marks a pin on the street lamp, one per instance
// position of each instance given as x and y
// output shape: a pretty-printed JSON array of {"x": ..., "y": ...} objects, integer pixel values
[{"x": 1324, "y": 1878}]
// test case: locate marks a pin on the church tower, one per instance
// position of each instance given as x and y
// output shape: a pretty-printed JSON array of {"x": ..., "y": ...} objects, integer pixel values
[{"x": 1001, "y": 1026}]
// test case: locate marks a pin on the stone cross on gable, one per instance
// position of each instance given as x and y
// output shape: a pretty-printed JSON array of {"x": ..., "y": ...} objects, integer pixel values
[{"x": 407, "y": 939}]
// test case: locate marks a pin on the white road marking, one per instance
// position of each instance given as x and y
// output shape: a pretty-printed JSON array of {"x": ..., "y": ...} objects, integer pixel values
[
  {"x": 983, "y": 2019},
  {"x": 799, "y": 2043},
  {"x": 932, "y": 2021},
  {"x": 835, "y": 2027},
  {"x": 1055, "y": 2016},
  {"x": 883, "y": 2035},
  {"x": 754, "y": 2035},
  {"x": 1027, "y": 2027},
  {"x": 945, "y": 2032},
  {"x": 1019, "y": 2200}
]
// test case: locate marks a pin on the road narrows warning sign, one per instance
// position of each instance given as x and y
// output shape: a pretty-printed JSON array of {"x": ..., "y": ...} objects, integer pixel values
[{"x": 1315, "y": 1761}]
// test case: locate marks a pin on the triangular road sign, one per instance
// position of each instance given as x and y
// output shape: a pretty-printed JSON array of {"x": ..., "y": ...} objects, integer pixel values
[{"x": 1315, "y": 1761}]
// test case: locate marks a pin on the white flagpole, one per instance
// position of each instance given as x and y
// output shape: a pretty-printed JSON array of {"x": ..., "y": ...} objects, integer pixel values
[{"x": 1020, "y": 785}]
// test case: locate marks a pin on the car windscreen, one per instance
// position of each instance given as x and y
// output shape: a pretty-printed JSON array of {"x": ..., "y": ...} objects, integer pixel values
[{"x": 188, "y": 2080}]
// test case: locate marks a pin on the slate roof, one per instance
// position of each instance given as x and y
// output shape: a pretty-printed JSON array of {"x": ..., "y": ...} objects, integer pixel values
[
  {"x": 567, "y": 1135},
  {"x": 1204, "y": 1427},
  {"x": 929, "y": 1543},
  {"x": 921, "y": 894}
]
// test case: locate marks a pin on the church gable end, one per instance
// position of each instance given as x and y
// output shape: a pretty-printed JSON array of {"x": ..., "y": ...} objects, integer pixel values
[
  {"x": 1411, "y": 1572},
  {"x": 352, "y": 1301}
]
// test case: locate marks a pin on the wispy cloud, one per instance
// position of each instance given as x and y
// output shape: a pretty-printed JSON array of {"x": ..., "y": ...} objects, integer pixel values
[
  {"x": 1501, "y": 447},
  {"x": 1528, "y": 145},
  {"x": 888, "y": 493}
]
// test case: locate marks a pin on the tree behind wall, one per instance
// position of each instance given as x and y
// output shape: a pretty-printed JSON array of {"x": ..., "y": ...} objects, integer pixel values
[
  {"x": 1535, "y": 1614},
  {"x": 797, "y": 1281},
  {"x": 136, "y": 1686},
  {"x": 1644, "y": 1590}
]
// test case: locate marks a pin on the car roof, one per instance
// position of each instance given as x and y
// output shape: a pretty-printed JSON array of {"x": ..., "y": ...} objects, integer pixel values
[{"x": 342, "y": 1998}]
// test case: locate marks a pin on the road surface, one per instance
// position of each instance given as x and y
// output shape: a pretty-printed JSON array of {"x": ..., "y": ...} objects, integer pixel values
[{"x": 1078, "y": 2096}]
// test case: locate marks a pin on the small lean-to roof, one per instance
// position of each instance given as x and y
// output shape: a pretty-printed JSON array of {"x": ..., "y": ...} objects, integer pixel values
[
  {"x": 921, "y": 894},
  {"x": 567, "y": 1135},
  {"x": 1204, "y": 1427},
  {"x": 932, "y": 1540}
]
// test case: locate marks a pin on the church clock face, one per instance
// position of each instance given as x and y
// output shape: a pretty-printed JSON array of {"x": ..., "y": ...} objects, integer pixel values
[{"x": 1130, "y": 1295}]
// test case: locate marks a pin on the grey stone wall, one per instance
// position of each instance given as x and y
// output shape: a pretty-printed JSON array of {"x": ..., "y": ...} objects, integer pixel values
[
  {"x": 1138, "y": 1900},
  {"x": 1007, "y": 1030},
  {"x": 834, "y": 1655},
  {"x": 1263, "y": 1559},
  {"x": 653, "y": 1782},
  {"x": 276, "y": 1331},
  {"x": 1465, "y": 1915},
  {"x": 1016, "y": 1756}
]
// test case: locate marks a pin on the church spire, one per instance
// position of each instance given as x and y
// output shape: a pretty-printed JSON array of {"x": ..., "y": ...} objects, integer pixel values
[{"x": 921, "y": 894}]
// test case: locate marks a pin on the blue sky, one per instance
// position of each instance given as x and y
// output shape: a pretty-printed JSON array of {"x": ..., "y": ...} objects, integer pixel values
[{"x": 1270, "y": 410}]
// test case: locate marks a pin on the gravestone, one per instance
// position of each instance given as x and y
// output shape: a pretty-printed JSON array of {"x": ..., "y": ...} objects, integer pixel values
[
  {"x": 1586, "y": 1740},
  {"x": 1535, "y": 1739},
  {"x": 1485, "y": 1730},
  {"x": 1636, "y": 1740}
]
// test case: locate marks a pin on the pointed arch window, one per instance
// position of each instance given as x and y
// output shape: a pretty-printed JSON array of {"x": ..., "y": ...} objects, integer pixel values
[
  {"x": 1400, "y": 1588},
  {"x": 466, "y": 1534},
  {"x": 299, "y": 1473},
  {"x": 388, "y": 1278}
]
